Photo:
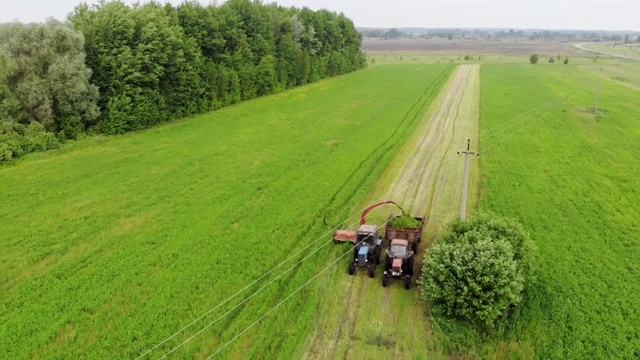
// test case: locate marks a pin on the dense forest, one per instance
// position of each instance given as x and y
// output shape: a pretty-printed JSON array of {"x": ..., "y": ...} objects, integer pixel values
[{"x": 113, "y": 68}]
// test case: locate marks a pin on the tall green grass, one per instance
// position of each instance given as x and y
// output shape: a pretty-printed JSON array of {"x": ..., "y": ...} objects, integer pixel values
[
  {"x": 112, "y": 244},
  {"x": 571, "y": 177}
]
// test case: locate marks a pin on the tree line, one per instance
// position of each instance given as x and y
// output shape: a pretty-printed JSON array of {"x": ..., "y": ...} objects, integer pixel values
[{"x": 113, "y": 68}]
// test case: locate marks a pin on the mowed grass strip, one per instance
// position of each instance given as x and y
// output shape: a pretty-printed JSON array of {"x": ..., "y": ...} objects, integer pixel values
[
  {"x": 110, "y": 246},
  {"x": 572, "y": 179}
]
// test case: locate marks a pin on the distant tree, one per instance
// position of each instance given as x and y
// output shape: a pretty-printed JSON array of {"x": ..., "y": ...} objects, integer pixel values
[
  {"x": 552, "y": 60},
  {"x": 450, "y": 37},
  {"x": 626, "y": 39},
  {"x": 558, "y": 57},
  {"x": 566, "y": 61},
  {"x": 392, "y": 33},
  {"x": 534, "y": 58}
]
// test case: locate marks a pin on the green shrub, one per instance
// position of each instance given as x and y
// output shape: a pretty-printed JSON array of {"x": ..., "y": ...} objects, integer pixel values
[
  {"x": 478, "y": 269},
  {"x": 17, "y": 140},
  {"x": 534, "y": 58}
]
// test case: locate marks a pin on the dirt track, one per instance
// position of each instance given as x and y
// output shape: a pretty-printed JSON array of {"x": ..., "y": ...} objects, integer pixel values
[
  {"x": 431, "y": 181},
  {"x": 361, "y": 319}
]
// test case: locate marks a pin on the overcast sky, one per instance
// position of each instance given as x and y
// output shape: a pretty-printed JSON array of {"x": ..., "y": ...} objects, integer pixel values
[{"x": 539, "y": 14}]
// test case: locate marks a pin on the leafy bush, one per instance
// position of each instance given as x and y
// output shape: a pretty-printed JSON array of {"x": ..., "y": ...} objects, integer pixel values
[
  {"x": 478, "y": 269},
  {"x": 17, "y": 140},
  {"x": 534, "y": 58}
]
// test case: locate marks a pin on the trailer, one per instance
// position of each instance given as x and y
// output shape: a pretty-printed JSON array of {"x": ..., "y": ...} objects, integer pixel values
[{"x": 412, "y": 234}]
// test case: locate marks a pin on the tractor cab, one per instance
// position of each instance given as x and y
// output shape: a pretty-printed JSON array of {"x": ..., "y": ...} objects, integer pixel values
[
  {"x": 399, "y": 249},
  {"x": 368, "y": 249},
  {"x": 368, "y": 234}
]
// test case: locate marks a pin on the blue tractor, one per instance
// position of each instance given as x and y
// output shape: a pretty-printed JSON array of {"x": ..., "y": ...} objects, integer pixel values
[{"x": 368, "y": 247}]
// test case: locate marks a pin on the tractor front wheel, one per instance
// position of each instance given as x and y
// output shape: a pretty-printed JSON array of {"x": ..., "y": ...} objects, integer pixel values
[
  {"x": 385, "y": 280},
  {"x": 372, "y": 270},
  {"x": 407, "y": 282},
  {"x": 352, "y": 267}
]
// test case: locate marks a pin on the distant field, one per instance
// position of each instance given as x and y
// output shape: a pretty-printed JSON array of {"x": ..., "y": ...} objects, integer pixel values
[
  {"x": 631, "y": 50},
  {"x": 434, "y": 51},
  {"x": 571, "y": 177},
  {"x": 481, "y": 47},
  {"x": 112, "y": 244}
]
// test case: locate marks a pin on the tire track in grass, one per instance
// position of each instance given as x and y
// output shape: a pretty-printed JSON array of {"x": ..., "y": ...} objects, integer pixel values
[
  {"x": 383, "y": 321},
  {"x": 387, "y": 148}
]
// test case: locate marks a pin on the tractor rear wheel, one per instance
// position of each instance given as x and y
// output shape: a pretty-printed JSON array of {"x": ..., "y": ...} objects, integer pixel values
[
  {"x": 372, "y": 270},
  {"x": 352, "y": 268},
  {"x": 385, "y": 280},
  {"x": 376, "y": 254},
  {"x": 410, "y": 266},
  {"x": 407, "y": 282}
]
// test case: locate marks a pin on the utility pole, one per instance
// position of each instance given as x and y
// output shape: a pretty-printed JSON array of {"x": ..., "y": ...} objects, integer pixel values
[
  {"x": 595, "y": 109},
  {"x": 465, "y": 185}
]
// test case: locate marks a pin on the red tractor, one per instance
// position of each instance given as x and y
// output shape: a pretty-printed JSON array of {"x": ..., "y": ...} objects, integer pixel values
[{"x": 398, "y": 262}]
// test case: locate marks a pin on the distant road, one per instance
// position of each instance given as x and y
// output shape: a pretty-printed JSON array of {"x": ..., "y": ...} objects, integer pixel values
[{"x": 582, "y": 47}]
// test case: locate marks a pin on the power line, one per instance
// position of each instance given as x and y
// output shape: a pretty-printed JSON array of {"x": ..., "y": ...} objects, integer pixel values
[
  {"x": 529, "y": 113},
  {"x": 283, "y": 301},
  {"x": 246, "y": 287},
  {"x": 523, "y": 115},
  {"x": 522, "y": 119},
  {"x": 541, "y": 116},
  {"x": 510, "y": 135},
  {"x": 251, "y": 296},
  {"x": 245, "y": 300}
]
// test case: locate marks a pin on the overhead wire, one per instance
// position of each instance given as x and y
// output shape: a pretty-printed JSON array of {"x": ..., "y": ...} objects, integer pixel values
[
  {"x": 519, "y": 129},
  {"x": 523, "y": 115},
  {"x": 248, "y": 286},
  {"x": 245, "y": 300},
  {"x": 541, "y": 116},
  {"x": 284, "y": 300}
]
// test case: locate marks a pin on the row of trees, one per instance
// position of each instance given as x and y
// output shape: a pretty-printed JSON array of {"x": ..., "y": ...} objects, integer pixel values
[
  {"x": 114, "y": 68},
  {"x": 535, "y": 58},
  {"x": 544, "y": 35}
]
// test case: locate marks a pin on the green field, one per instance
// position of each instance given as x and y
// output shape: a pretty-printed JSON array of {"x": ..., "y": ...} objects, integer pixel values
[
  {"x": 112, "y": 244},
  {"x": 571, "y": 177}
]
